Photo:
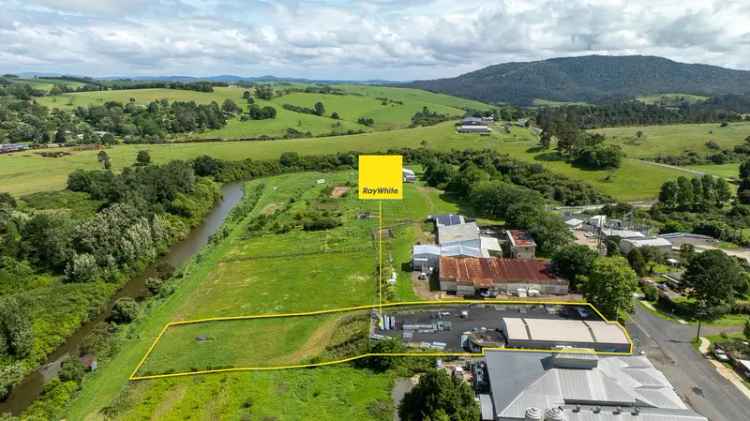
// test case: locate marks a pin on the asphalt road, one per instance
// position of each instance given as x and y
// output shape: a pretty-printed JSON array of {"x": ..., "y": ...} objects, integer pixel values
[{"x": 668, "y": 345}]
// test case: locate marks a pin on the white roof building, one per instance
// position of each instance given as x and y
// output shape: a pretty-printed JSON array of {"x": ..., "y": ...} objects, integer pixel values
[
  {"x": 448, "y": 234},
  {"x": 628, "y": 244}
]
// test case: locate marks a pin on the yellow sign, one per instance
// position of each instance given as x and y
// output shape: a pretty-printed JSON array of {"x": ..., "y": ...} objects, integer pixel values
[{"x": 381, "y": 177}]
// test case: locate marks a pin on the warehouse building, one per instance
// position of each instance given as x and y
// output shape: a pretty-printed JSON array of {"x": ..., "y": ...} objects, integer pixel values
[
  {"x": 555, "y": 333},
  {"x": 579, "y": 387},
  {"x": 494, "y": 275}
]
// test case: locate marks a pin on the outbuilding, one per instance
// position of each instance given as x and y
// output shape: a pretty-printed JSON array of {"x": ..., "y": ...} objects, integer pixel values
[
  {"x": 661, "y": 244},
  {"x": 556, "y": 333}
]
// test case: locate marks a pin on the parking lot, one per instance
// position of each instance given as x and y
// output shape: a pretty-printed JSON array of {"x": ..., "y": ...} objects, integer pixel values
[{"x": 442, "y": 327}]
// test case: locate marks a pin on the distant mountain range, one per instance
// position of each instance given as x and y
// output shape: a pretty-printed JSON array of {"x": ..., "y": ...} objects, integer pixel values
[
  {"x": 589, "y": 79},
  {"x": 217, "y": 78}
]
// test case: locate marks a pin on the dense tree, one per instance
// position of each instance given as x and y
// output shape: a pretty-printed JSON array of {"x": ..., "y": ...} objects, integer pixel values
[
  {"x": 610, "y": 286},
  {"x": 439, "y": 396},
  {"x": 746, "y": 329},
  {"x": 637, "y": 261},
  {"x": 72, "y": 370},
  {"x": 319, "y": 108},
  {"x": 7, "y": 201},
  {"x": 125, "y": 310},
  {"x": 230, "y": 107},
  {"x": 335, "y": 115},
  {"x": 711, "y": 278},
  {"x": 143, "y": 158},
  {"x": 16, "y": 335},
  {"x": 264, "y": 92},
  {"x": 60, "y": 136},
  {"x": 668, "y": 194},
  {"x": 573, "y": 260}
]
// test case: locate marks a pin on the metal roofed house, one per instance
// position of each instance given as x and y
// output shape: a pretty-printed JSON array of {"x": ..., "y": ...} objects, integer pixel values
[
  {"x": 473, "y": 275},
  {"x": 662, "y": 244},
  {"x": 474, "y": 129},
  {"x": 409, "y": 175},
  {"x": 464, "y": 234},
  {"x": 574, "y": 223},
  {"x": 448, "y": 219},
  {"x": 490, "y": 247},
  {"x": 522, "y": 245},
  {"x": 425, "y": 257},
  {"x": 581, "y": 387},
  {"x": 472, "y": 121},
  {"x": 612, "y": 232},
  {"x": 550, "y": 333}
]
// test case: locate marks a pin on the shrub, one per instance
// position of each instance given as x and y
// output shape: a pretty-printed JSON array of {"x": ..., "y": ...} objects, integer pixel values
[{"x": 125, "y": 310}]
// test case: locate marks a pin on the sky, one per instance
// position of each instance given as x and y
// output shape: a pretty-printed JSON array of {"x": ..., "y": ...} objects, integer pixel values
[{"x": 357, "y": 40}]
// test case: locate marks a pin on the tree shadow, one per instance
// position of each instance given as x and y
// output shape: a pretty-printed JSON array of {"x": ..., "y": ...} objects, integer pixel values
[{"x": 549, "y": 156}]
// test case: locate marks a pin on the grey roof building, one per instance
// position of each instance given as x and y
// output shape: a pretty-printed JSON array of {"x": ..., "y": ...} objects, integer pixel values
[
  {"x": 581, "y": 387},
  {"x": 467, "y": 234},
  {"x": 448, "y": 219}
]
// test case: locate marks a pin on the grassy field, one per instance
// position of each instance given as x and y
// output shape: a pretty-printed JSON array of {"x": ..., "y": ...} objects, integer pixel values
[
  {"x": 27, "y": 172},
  {"x": 675, "y": 139},
  {"x": 255, "y": 274},
  {"x": 362, "y": 103},
  {"x": 671, "y": 98},
  {"x": 724, "y": 170}
]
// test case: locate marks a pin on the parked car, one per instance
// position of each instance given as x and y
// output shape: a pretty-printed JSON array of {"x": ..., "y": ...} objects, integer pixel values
[{"x": 720, "y": 355}]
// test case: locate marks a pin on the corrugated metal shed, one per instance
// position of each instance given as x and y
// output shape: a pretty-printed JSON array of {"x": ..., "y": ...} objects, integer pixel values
[{"x": 484, "y": 272}]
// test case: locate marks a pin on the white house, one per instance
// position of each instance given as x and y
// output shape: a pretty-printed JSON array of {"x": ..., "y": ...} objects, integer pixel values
[
  {"x": 409, "y": 176},
  {"x": 662, "y": 244}
]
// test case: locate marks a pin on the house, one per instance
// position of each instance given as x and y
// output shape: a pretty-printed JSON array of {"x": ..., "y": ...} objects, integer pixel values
[
  {"x": 476, "y": 275},
  {"x": 459, "y": 234},
  {"x": 488, "y": 120},
  {"x": 598, "y": 335},
  {"x": 472, "y": 121},
  {"x": 490, "y": 247},
  {"x": 425, "y": 258},
  {"x": 522, "y": 245},
  {"x": 474, "y": 129},
  {"x": 574, "y": 223},
  {"x": 661, "y": 244},
  {"x": 409, "y": 176},
  {"x": 448, "y": 219},
  {"x": 580, "y": 387}
]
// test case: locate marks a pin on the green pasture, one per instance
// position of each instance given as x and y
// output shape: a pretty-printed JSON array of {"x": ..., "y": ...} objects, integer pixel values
[
  {"x": 671, "y": 98},
  {"x": 387, "y": 115},
  {"x": 216, "y": 284},
  {"x": 731, "y": 170},
  {"x": 28, "y": 172},
  {"x": 675, "y": 139}
]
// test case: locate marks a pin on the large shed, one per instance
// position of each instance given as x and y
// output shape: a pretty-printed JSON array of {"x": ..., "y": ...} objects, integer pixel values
[
  {"x": 472, "y": 275},
  {"x": 550, "y": 333}
]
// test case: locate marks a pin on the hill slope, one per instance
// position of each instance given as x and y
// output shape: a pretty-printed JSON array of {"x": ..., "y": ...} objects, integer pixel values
[{"x": 589, "y": 78}]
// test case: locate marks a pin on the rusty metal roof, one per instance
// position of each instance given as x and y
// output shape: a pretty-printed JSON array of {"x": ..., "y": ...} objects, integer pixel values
[
  {"x": 485, "y": 272},
  {"x": 521, "y": 238}
]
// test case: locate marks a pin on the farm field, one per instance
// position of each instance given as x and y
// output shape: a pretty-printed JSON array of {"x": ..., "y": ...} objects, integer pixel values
[
  {"x": 27, "y": 172},
  {"x": 671, "y": 98},
  {"x": 255, "y": 274},
  {"x": 362, "y": 103},
  {"x": 351, "y": 108},
  {"x": 675, "y": 139},
  {"x": 731, "y": 170}
]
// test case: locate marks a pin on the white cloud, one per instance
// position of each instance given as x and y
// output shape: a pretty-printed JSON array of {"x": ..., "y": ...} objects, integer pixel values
[{"x": 358, "y": 39}]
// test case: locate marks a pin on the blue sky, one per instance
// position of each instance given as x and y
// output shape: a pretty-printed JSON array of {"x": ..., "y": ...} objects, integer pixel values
[{"x": 349, "y": 39}]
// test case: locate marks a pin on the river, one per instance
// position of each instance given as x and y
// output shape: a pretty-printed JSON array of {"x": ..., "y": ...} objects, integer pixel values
[{"x": 180, "y": 253}]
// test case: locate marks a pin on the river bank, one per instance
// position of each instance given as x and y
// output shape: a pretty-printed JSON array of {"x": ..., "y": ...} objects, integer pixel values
[{"x": 32, "y": 385}]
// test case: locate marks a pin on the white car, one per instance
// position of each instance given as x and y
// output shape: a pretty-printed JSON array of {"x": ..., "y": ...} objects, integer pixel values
[{"x": 720, "y": 355}]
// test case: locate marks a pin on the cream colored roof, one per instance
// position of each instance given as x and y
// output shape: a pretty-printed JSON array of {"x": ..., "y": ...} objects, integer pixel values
[
  {"x": 607, "y": 332},
  {"x": 558, "y": 330},
  {"x": 516, "y": 328}
]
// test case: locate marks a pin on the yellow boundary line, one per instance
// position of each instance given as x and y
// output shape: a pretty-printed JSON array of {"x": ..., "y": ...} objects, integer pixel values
[{"x": 134, "y": 377}]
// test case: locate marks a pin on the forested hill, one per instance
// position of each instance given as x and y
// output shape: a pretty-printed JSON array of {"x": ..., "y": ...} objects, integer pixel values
[{"x": 589, "y": 79}]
